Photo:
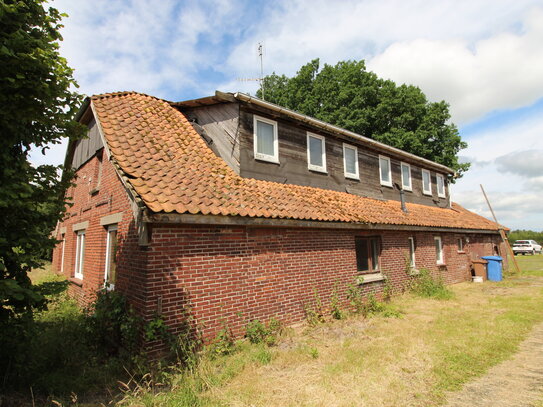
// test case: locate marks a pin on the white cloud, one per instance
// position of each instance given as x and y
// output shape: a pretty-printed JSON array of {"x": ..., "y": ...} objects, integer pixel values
[
  {"x": 499, "y": 72},
  {"x": 525, "y": 163}
]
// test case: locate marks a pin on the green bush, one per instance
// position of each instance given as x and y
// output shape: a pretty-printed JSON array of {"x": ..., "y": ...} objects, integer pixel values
[
  {"x": 257, "y": 332},
  {"x": 427, "y": 286}
]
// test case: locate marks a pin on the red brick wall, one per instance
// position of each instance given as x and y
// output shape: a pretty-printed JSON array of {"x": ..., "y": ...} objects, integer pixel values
[
  {"x": 111, "y": 198},
  {"x": 231, "y": 275}
]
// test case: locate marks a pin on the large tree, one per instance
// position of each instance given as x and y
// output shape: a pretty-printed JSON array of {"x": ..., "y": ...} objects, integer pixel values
[
  {"x": 37, "y": 103},
  {"x": 351, "y": 97}
]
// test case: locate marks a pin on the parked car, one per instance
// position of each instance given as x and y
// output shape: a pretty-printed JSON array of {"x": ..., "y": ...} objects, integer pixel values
[{"x": 526, "y": 247}]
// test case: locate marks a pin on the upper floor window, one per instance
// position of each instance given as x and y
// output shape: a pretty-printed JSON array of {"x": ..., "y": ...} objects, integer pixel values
[
  {"x": 426, "y": 183},
  {"x": 385, "y": 171},
  {"x": 367, "y": 254},
  {"x": 440, "y": 185},
  {"x": 460, "y": 242},
  {"x": 79, "y": 254},
  {"x": 350, "y": 161},
  {"x": 406, "y": 177},
  {"x": 266, "y": 145},
  {"x": 439, "y": 250},
  {"x": 316, "y": 152}
]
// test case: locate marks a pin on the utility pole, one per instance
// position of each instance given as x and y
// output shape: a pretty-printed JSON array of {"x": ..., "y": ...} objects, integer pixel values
[{"x": 502, "y": 233}]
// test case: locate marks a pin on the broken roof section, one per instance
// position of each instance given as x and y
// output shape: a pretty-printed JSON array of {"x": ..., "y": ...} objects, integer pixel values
[{"x": 172, "y": 170}]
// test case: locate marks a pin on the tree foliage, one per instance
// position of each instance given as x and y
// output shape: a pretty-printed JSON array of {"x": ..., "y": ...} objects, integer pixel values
[
  {"x": 525, "y": 235},
  {"x": 349, "y": 96},
  {"x": 36, "y": 108}
]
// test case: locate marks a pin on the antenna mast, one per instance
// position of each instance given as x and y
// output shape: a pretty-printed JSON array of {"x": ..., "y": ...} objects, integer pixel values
[{"x": 260, "y": 53}]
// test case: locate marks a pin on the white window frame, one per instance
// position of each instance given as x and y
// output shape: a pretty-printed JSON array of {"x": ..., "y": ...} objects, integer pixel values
[
  {"x": 427, "y": 191},
  {"x": 312, "y": 167},
  {"x": 79, "y": 254},
  {"x": 385, "y": 182},
  {"x": 350, "y": 175},
  {"x": 412, "y": 261},
  {"x": 460, "y": 244},
  {"x": 110, "y": 228},
  {"x": 62, "y": 253},
  {"x": 441, "y": 193},
  {"x": 439, "y": 253},
  {"x": 410, "y": 186},
  {"x": 266, "y": 157}
]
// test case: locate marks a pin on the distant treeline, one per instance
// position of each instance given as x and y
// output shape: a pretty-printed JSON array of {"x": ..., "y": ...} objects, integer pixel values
[{"x": 525, "y": 235}]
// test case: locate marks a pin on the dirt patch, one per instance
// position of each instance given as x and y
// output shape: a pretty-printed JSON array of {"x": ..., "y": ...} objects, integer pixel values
[{"x": 514, "y": 383}]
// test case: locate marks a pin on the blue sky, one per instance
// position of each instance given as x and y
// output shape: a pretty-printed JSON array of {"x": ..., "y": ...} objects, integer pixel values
[{"x": 483, "y": 57}]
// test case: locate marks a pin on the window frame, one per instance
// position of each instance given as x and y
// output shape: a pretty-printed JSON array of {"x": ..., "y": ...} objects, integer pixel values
[
  {"x": 442, "y": 178},
  {"x": 404, "y": 187},
  {"x": 356, "y": 175},
  {"x": 429, "y": 190},
  {"x": 460, "y": 245},
  {"x": 80, "y": 254},
  {"x": 109, "y": 229},
  {"x": 384, "y": 182},
  {"x": 440, "y": 255},
  {"x": 62, "y": 252},
  {"x": 374, "y": 251},
  {"x": 412, "y": 252},
  {"x": 313, "y": 167},
  {"x": 261, "y": 156}
]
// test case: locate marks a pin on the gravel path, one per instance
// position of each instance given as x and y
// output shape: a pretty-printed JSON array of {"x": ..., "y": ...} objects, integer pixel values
[{"x": 516, "y": 382}]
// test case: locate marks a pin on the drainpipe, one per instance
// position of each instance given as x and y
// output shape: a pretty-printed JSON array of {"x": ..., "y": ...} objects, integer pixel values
[{"x": 402, "y": 200}]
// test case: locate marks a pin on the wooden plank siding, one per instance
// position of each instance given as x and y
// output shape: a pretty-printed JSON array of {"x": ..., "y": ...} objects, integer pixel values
[
  {"x": 220, "y": 124},
  {"x": 87, "y": 147},
  {"x": 292, "y": 167}
]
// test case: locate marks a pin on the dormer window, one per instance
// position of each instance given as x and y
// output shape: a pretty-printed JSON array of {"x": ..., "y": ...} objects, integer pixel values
[
  {"x": 266, "y": 146},
  {"x": 316, "y": 152},
  {"x": 440, "y": 185},
  {"x": 385, "y": 171},
  {"x": 350, "y": 161},
  {"x": 426, "y": 183},
  {"x": 406, "y": 177}
]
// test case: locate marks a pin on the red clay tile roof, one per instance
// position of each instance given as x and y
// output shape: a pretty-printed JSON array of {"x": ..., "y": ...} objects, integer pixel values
[{"x": 172, "y": 169}]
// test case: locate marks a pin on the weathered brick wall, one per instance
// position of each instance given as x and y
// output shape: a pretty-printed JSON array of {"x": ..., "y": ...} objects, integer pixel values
[
  {"x": 110, "y": 198},
  {"x": 231, "y": 275}
]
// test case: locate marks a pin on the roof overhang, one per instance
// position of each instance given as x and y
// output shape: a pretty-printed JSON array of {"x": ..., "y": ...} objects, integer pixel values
[{"x": 247, "y": 221}]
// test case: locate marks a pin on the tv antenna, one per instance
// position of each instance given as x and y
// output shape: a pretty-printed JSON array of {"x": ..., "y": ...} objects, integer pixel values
[{"x": 260, "y": 50}]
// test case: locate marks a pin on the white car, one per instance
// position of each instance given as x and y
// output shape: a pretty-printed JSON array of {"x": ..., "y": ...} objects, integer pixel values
[{"x": 526, "y": 247}]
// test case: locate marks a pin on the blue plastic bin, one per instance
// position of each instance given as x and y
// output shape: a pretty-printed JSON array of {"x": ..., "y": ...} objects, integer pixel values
[{"x": 494, "y": 267}]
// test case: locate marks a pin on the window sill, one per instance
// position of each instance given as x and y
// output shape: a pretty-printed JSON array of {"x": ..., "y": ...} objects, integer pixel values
[
  {"x": 322, "y": 171},
  {"x": 76, "y": 281},
  {"x": 386, "y": 185},
  {"x": 352, "y": 177},
  {"x": 461, "y": 251},
  {"x": 268, "y": 160},
  {"x": 427, "y": 193},
  {"x": 369, "y": 278},
  {"x": 441, "y": 264}
]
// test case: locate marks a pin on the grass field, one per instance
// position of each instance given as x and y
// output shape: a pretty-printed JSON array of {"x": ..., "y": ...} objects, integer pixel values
[
  {"x": 412, "y": 360},
  {"x": 422, "y": 350}
]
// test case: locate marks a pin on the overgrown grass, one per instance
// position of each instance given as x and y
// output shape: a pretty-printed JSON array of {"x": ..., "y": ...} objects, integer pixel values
[
  {"x": 362, "y": 359},
  {"x": 435, "y": 347},
  {"x": 62, "y": 354}
]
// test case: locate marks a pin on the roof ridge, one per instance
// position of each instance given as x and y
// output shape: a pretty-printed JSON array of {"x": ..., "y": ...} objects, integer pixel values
[{"x": 126, "y": 93}]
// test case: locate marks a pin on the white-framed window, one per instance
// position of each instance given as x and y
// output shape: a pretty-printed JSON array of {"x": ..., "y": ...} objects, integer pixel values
[
  {"x": 316, "y": 152},
  {"x": 79, "y": 254},
  {"x": 439, "y": 250},
  {"x": 385, "y": 171},
  {"x": 266, "y": 144},
  {"x": 411, "y": 242},
  {"x": 440, "y": 181},
  {"x": 62, "y": 253},
  {"x": 460, "y": 242},
  {"x": 110, "y": 273},
  {"x": 426, "y": 183},
  {"x": 406, "y": 177},
  {"x": 350, "y": 161}
]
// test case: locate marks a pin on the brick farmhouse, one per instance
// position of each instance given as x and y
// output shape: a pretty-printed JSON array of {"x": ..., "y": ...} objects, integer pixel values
[{"x": 237, "y": 209}]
